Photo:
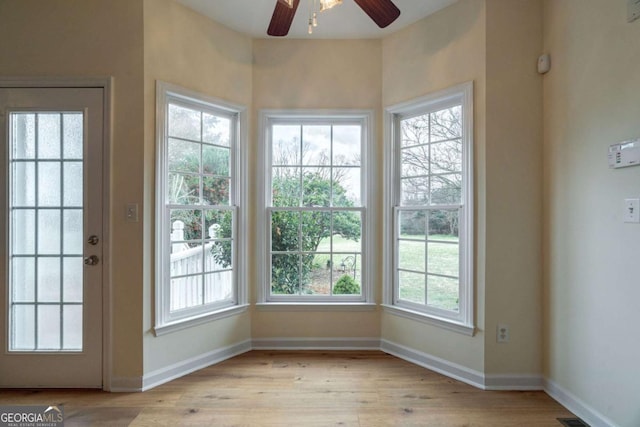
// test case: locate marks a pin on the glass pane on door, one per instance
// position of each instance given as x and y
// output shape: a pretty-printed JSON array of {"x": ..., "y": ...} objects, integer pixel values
[{"x": 46, "y": 229}]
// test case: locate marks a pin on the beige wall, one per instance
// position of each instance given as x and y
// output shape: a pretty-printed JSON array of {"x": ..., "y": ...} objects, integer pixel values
[
  {"x": 514, "y": 186},
  {"x": 440, "y": 51},
  {"x": 189, "y": 50},
  {"x": 591, "y": 257},
  {"x": 92, "y": 38},
  {"x": 319, "y": 74}
]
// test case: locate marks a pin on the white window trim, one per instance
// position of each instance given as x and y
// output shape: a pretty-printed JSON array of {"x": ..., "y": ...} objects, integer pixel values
[
  {"x": 164, "y": 322},
  {"x": 265, "y": 119},
  {"x": 464, "y": 321}
]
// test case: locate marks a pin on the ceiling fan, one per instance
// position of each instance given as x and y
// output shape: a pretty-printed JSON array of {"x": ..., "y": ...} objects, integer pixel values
[{"x": 382, "y": 12}]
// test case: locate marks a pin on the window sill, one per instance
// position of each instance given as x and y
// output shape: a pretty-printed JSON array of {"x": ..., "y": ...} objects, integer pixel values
[
  {"x": 189, "y": 322},
  {"x": 440, "y": 322},
  {"x": 315, "y": 306}
]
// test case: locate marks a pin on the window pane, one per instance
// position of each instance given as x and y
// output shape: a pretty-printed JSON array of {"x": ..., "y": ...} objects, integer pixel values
[
  {"x": 411, "y": 255},
  {"x": 413, "y": 224},
  {"x": 215, "y": 160},
  {"x": 218, "y": 286},
  {"x": 23, "y": 231},
  {"x": 215, "y": 191},
  {"x": 72, "y": 236},
  {"x": 23, "y": 327},
  {"x": 23, "y": 283},
  {"x": 316, "y": 187},
  {"x": 23, "y": 136},
  {"x": 286, "y": 187},
  {"x": 443, "y": 224},
  {"x": 49, "y": 184},
  {"x": 217, "y": 130},
  {"x": 446, "y": 124},
  {"x": 184, "y": 156},
  {"x": 446, "y": 156},
  {"x": 316, "y": 145},
  {"x": 316, "y": 229},
  {"x": 414, "y": 131},
  {"x": 285, "y": 229},
  {"x": 184, "y": 189},
  {"x": 48, "y": 327},
  {"x": 415, "y": 191},
  {"x": 442, "y": 293},
  {"x": 24, "y": 184},
  {"x": 443, "y": 258},
  {"x": 446, "y": 189},
  {"x": 49, "y": 136},
  {"x": 412, "y": 287},
  {"x": 49, "y": 232},
  {"x": 285, "y": 274},
  {"x": 286, "y": 146},
  {"x": 319, "y": 278},
  {"x": 186, "y": 292},
  {"x": 49, "y": 279},
  {"x": 184, "y": 123},
  {"x": 347, "y": 232},
  {"x": 72, "y": 184},
  {"x": 346, "y": 145},
  {"x": 72, "y": 327},
  {"x": 186, "y": 224},
  {"x": 218, "y": 224},
  {"x": 72, "y": 279},
  {"x": 72, "y": 134},
  {"x": 218, "y": 256},
  {"x": 346, "y": 275},
  {"x": 415, "y": 161},
  {"x": 346, "y": 187}
]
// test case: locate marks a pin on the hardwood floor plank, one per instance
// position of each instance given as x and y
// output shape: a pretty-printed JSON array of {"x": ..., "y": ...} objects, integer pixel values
[{"x": 305, "y": 388}]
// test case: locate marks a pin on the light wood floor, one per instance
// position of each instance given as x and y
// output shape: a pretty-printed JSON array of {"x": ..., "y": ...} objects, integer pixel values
[{"x": 268, "y": 388}]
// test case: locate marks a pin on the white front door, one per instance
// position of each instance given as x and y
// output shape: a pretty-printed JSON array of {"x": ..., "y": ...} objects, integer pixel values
[{"x": 51, "y": 226}]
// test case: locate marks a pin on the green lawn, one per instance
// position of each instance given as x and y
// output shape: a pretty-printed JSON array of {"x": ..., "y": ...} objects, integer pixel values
[{"x": 442, "y": 259}]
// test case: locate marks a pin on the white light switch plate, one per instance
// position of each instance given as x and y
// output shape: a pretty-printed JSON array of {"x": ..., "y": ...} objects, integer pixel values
[
  {"x": 632, "y": 210},
  {"x": 633, "y": 10}
]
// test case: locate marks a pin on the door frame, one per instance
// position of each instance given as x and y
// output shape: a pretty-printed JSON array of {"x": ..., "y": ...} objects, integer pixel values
[{"x": 106, "y": 84}]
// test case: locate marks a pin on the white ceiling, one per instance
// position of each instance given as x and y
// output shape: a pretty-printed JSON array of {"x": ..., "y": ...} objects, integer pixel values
[{"x": 346, "y": 21}]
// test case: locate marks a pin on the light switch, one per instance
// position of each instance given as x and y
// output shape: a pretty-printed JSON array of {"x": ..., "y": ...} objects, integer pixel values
[
  {"x": 132, "y": 212},
  {"x": 632, "y": 210},
  {"x": 633, "y": 10}
]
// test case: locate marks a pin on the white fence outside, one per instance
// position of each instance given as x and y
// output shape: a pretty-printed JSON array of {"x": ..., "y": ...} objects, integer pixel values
[{"x": 190, "y": 291}]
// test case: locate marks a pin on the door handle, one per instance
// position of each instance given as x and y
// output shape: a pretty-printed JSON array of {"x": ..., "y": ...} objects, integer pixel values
[{"x": 91, "y": 260}]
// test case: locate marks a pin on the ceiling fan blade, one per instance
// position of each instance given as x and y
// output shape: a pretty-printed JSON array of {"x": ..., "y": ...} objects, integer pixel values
[
  {"x": 383, "y": 12},
  {"x": 282, "y": 19}
]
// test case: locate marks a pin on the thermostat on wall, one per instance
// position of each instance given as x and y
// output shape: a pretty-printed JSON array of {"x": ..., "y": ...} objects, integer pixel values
[{"x": 626, "y": 153}]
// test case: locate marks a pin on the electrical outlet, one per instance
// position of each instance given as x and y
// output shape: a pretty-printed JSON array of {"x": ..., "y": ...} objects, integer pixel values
[{"x": 503, "y": 333}]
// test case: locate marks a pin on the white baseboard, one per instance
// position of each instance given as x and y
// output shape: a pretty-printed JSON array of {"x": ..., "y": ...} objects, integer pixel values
[
  {"x": 576, "y": 405},
  {"x": 434, "y": 363},
  {"x": 125, "y": 384},
  {"x": 441, "y": 366},
  {"x": 519, "y": 382},
  {"x": 469, "y": 376},
  {"x": 316, "y": 344},
  {"x": 177, "y": 370}
]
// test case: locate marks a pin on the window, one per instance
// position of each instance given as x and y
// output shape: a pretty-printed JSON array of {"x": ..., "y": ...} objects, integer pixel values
[
  {"x": 316, "y": 207},
  {"x": 430, "y": 197},
  {"x": 198, "y": 197}
]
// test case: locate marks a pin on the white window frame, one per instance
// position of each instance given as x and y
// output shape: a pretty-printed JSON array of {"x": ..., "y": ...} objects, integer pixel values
[
  {"x": 165, "y": 321},
  {"x": 463, "y": 320},
  {"x": 267, "y": 118}
]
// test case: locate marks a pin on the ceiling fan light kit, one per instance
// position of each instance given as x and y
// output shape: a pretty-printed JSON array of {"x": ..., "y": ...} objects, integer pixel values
[{"x": 382, "y": 12}]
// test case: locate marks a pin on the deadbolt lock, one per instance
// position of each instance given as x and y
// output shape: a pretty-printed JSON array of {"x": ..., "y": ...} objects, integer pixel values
[
  {"x": 93, "y": 240},
  {"x": 91, "y": 260}
]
